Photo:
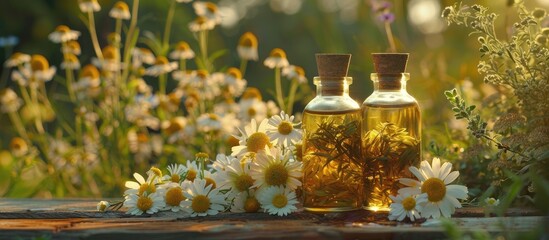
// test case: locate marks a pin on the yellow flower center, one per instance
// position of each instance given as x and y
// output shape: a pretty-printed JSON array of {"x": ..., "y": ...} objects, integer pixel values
[
  {"x": 299, "y": 70},
  {"x": 39, "y": 63},
  {"x": 409, "y": 203},
  {"x": 277, "y": 53},
  {"x": 18, "y": 143},
  {"x": 276, "y": 174},
  {"x": 257, "y": 141},
  {"x": 191, "y": 175},
  {"x": 234, "y": 72},
  {"x": 200, "y": 204},
  {"x": 209, "y": 182},
  {"x": 144, "y": 203},
  {"x": 157, "y": 172},
  {"x": 71, "y": 58},
  {"x": 435, "y": 189},
  {"x": 122, "y": 6},
  {"x": 175, "y": 125},
  {"x": 203, "y": 74},
  {"x": 183, "y": 46},
  {"x": 174, "y": 196},
  {"x": 175, "y": 178},
  {"x": 251, "y": 205},
  {"x": 201, "y": 155},
  {"x": 252, "y": 112},
  {"x": 213, "y": 116},
  {"x": 142, "y": 138},
  {"x": 161, "y": 60},
  {"x": 90, "y": 71},
  {"x": 243, "y": 182},
  {"x": 248, "y": 39},
  {"x": 285, "y": 127},
  {"x": 62, "y": 29},
  {"x": 232, "y": 141},
  {"x": 200, "y": 20},
  {"x": 280, "y": 201},
  {"x": 110, "y": 53},
  {"x": 145, "y": 187},
  {"x": 251, "y": 93},
  {"x": 74, "y": 45},
  {"x": 211, "y": 7}
]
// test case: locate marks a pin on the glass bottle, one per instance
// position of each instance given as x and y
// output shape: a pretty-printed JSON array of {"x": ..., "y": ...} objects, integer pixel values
[
  {"x": 332, "y": 179},
  {"x": 391, "y": 132}
]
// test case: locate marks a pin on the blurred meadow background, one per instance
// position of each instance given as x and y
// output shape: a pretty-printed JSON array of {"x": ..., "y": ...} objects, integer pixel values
[{"x": 441, "y": 58}]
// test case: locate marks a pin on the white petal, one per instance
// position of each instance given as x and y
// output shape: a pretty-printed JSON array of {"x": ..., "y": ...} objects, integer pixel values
[
  {"x": 445, "y": 170},
  {"x": 139, "y": 178},
  {"x": 454, "y": 201},
  {"x": 132, "y": 185},
  {"x": 451, "y": 177},
  {"x": 426, "y": 169},
  {"x": 457, "y": 191},
  {"x": 436, "y": 166},
  {"x": 409, "y": 182},
  {"x": 409, "y": 191},
  {"x": 446, "y": 208},
  {"x": 417, "y": 173}
]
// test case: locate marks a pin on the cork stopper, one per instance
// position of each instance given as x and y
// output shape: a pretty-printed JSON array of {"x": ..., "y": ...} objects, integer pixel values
[
  {"x": 332, "y": 65},
  {"x": 390, "y": 63}
]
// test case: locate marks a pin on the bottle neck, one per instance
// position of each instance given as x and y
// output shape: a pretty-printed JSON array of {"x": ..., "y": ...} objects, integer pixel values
[
  {"x": 332, "y": 86},
  {"x": 390, "y": 82}
]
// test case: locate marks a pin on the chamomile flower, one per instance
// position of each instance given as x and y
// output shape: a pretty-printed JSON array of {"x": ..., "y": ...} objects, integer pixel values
[
  {"x": 405, "y": 206},
  {"x": 252, "y": 108},
  {"x": 208, "y": 122},
  {"x": 146, "y": 203},
  {"x": 247, "y": 47},
  {"x": 18, "y": 147},
  {"x": 110, "y": 61},
  {"x": 141, "y": 186},
  {"x": 192, "y": 170},
  {"x": 120, "y": 10},
  {"x": 173, "y": 195},
  {"x": 182, "y": 51},
  {"x": 17, "y": 59},
  {"x": 253, "y": 139},
  {"x": 238, "y": 176},
  {"x": 175, "y": 173},
  {"x": 70, "y": 62},
  {"x": 432, "y": 187},
  {"x": 161, "y": 66},
  {"x": 63, "y": 34},
  {"x": 142, "y": 55},
  {"x": 103, "y": 206},
  {"x": 233, "y": 81},
  {"x": 72, "y": 47},
  {"x": 278, "y": 200},
  {"x": 275, "y": 169},
  {"x": 222, "y": 162},
  {"x": 202, "y": 200},
  {"x": 9, "y": 101},
  {"x": 295, "y": 72},
  {"x": 282, "y": 130},
  {"x": 245, "y": 202},
  {"x": 277, "y": 59},
  {"x": 89, "y": 6},
  {"x": 175, "y": 128},
  {"x": 491, "y": 202},
  {"x": 208, "y": 10},
  {"x": 216, "y": 179},
  {"x": 201, "y": 24},
  {"x": 35, "y": 72}
]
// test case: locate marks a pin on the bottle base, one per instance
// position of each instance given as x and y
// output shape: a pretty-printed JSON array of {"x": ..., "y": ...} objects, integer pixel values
[
  {"x": 376, "y": 209},
  {"x": 330, "y": 209}
]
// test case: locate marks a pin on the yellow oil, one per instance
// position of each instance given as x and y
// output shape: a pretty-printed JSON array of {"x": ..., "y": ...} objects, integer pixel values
[
  {"x": 391, "y": 143},
  {"x": 332, "y": 176}
]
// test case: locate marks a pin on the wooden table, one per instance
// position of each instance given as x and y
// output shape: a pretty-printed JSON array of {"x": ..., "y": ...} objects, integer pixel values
[{"x": 78, "y": 219}]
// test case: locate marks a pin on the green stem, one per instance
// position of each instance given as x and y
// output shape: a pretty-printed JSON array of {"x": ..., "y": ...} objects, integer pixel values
[
  {"x": 118, "y": 31},
  {"x": 390, "y": 37},
  {"x": 203, "y": 41},
  {"x": 243, "y": 65},
  {"x": 127, "y": 45},
  {"x": 162, "y": 84},
  {"x": 36, "y": 107},
  {"x": 183, "y": 65},
  {"x": 291, "y": 98},
  {"x": 93, "y": 35},
  {"x": 168, "y": 27},
  {"x": 278, "y": 85},
  {"x": 18, "y": 123},
  {"x": 69, "y": 77}
]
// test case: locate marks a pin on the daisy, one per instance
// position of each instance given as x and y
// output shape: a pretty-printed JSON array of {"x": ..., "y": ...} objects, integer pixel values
[
  {"x": 17, "y": 59},
  {"x": 63, "y": 34},
  {"x": 120, "y": 10},
  {"x": 41, "y": 69},
  {"x": 253, "y": 139},
  {"x": 201, "y": 24},
  {"x": 199, "y": 81},
  {"x": 141, "y": 186},
  {"x": 278, "y": 200},
  {"x": 89, "y": 6},
  {"x": 192, "y": 170},
  {"x": 72, "y": 47},
  {"x": 295, "y": 72},
  {"x": 247, "y": 47},
  {"x": 208, "y": 122},
  {"x": 182, "y": 51},
  {"x": 252, "y": 109},
  {"x": 142, "y": 55},
  {"x": 238, "y": 176},
  {"x": 277, "y": 59},
  {"x": 405, "y": 206},
  {"x": 9, "y": 100},
  {"x": 202, "y": 200},
  {"x": 208, "y": 10},
  {"x": 233, "y": 82},
  {"x": 272, "y": 108},
  {"x": 282, "y": 131},
  {"x": 146, "y": 203},
  {"x": 173, "y": 195},
  {"x": 103, "y": 206},
  {"x": 432, "y": 187},
  {"x": 174, "y": 128},
  {"x": 161, "y": 66},
  {"x": 216, "y": 180},
  {"x": 222, "y": 161},
  {"x": 70, "y": 62},
  {"x": 175, "y": 173},
  {"x": 245, "y": 202},
  {"x": 18, "y": 147},
  {"x": 491, "y": 202},
  {"x": 111, "y": 59},
  {"x": 275, "y": 169}
]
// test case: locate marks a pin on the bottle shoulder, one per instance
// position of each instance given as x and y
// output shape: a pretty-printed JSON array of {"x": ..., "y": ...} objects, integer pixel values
[
  {"x": 332, "y": 103},
  {"x": 390, "y": 98}
]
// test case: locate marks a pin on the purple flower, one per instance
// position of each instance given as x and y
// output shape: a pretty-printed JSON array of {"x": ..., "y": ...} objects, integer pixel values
[
  {"x": 380, "y": 6},
  {"x": 387, "y": 17}
]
